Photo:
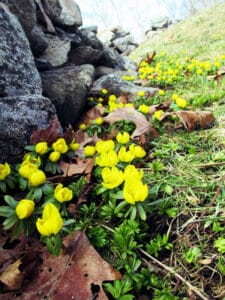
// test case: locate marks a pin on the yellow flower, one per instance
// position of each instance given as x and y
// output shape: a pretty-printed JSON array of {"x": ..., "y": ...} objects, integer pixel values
[
  {"x": 112, "y": 178},
  {"x": 138, "y": 151},
  {"x": 135, "y": 191},
  {"x": 51, "y": 221},
  {"x": 37, "y": 178},
  {"x": 24, "y": 208},
  {"x": 89, "y": 150},
  {"x": 27, "y": 168},
  {"x": 60, "y": 146},
  {"x": 54, "y": 156},
  {"x": 112, "y": 98},
  {"x": 144, "y": 108},
  {"x": 141, "y": 93},
  {"x": 125, "y": 156},
  {"x": 82, "y": 126},
  {"x": 74, "y": 146},
  {"x": 107, "y": 159},
  {"x": 104, "y": 91},
  {"x": 41, "y": 148},
  {"x": 104, "y": 146},
  {"x": 123, "y": 137},
  {"x": 32, "y": 158},
  {"x": 175, "y": 97},
  {"x": 99, "y": 121},
  {"x": 161, "y": 92},
  {"x": 100, "y": 99},
  {"x": 129, "y": 105},
  {"x": 181, "y": 102},
  {"x": 131, "y": 172},
  {"x": 62, "y": 194},
  {"x": 159, "y": 114},
  {"x": 5, "y": 170}
]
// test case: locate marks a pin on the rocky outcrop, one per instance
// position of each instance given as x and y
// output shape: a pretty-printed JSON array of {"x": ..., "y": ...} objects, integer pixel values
[
  {"x": 158, "y": 25},
  {"x": 49, "y": 65}
]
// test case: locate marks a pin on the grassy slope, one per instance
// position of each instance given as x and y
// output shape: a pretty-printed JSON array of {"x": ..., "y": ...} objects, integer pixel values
[{"x": 202, "y": 36}]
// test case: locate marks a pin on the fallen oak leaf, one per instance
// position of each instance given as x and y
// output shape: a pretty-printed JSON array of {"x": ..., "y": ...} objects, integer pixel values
[
  {"x": 192, "y": 120},
  {"x": 92, "y": 114},
  {"x": 142, "y": 124},
  {"x": 12, "y": 277},
  {"x": 72, "y": 274}
]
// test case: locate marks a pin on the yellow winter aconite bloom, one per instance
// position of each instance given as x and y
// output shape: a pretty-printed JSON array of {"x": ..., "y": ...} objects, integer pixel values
[
  {"x": 159, "y": 114},
  {"x": 104, "y": 146},
  {"x": 124, "y": 155},
  {"x": 181, "y": 102},
  {"x": 51, "y": 221},
  {"x": 107, "y": 159},
  {"x": 100, "y": 99},
  {"x": 54, "y": 156},
  {"x": 37, "y": 178},
  {"x": 89, "y": 150},
  {"x": 60, "y": 145},
  {"x": 131, "y": 172},
  {"x": 129, "y": 105},
  {"x": 112, "y": 98},
  {"x": 24, "y": 208},
  {"x": 112, "y": 177},
  {"x": 123, "y": 137},
  {"x": 105, "y": 91},
  {"x": 161, "y": 92},
  {"x": 74, "y": 146},
  {"x": 27, "y": 168},
  {"x": 141, "y": 93},
  {"x": 82, "y": 126},
  {"x": 135, "y": 191},
  {"x": 32, "y": 158},
  {"x": 138, "y": 151},
  {"x": 5, "y": 170},
  {"x": 175, "y": 97},
  {"x": 99, "y": 121},
  {"x": 41, "y": 148},
  {"x": 143, "y": 108},
  {"x": 62, "y": 194}
]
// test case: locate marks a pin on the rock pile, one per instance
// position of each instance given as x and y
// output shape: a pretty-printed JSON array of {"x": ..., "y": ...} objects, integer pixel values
[
  {"x": 158, "y": 25},
  {"x": 48, "y": 65}
]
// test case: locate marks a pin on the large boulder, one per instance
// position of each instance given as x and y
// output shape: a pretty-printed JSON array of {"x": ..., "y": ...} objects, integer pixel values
[
  {"x": 65, "y": 13},
  {"x": 67, "y": 88},
  {"x": 116, "y": 85},
  {"x": 25, "y": 11},
  {"x": 18, "y": 74},
  {"x": 19, "y": 117}
]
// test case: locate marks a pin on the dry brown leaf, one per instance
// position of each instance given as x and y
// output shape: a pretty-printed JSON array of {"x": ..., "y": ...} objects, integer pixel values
[
  {"x": 49, "y": 134},
  {"x": 218, "y": 76},
  {"x": 12, "y": 277},
  {"x": 72, "y": 275},
  {"x": 123, "y": 98},
  {"x": 92, "y": 114},
  {"x": 192, "y": 120},
  {"x": 142, "y": 124},
  {"x": 82, "y": 166}
]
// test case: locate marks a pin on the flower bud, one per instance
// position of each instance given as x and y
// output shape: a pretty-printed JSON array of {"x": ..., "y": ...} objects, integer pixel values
[
  {"x": 37, "y": 178},
  {"x": 24, "y": 208}
]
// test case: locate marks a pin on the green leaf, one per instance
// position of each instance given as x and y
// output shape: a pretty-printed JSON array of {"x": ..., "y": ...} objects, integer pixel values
[
  {"x": 69, "y": 222},
  {"x": 47, "y": 189},
  {"x": 11, "y": 201},
  {"x": 6, "y": 211},
  {"x": 120, "y": 206},
  {"x": 141, "y": 212},
  {"x": 54, "y": 244},
  {"x": 3, "y": 186},
  {"x": 22, "y": 183},
  {"x": 30, "y": 148},
  {"x": 133, "y": 212},
  {"x": 38, "y": 193},
  {"x": 10, "y": 221},
  {"x": 18, "y": 228}
]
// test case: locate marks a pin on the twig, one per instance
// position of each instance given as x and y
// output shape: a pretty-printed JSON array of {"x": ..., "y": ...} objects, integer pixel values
[
  {"x": 209, "y": 165},
  {"x": 171, "y": 270}
]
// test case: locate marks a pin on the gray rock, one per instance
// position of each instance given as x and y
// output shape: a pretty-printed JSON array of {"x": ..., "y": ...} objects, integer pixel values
[
  {"x": 25, "y": 11},
  {"x": 92, "y": 28},
  {"x": 159, "y": 23},
  {"x": 19, "y": 117},
  {"x": 63, "y": 12},
  {"x": 18, "y": 74},
  {"x": 57, "y": 52},
  {"x": 67, "y": 88},
  {"x": 116, "y": 85},
  {"x": 106, "y": 36},
  {"x": 111, "y": 58},
  {"x": 121, "y": 43},
  {"x": 84, "y": 55}
]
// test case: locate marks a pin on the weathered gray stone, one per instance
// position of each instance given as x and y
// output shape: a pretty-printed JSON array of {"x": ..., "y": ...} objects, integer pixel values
[
  {"x": 84, "y": 55},
  {"x": 19, "y": 117},
  {"x": 25, "y": 11},
  {"x": 67, "y": 88},
  {"x": 111, "y": 58},
  {"x": 18, "y": 74},
  {"x": 159, "y": 23},
  {"x": 63, "y": 12},
  {"x": 57, "y": 52},
  {"x": 116, "y": 85}
]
